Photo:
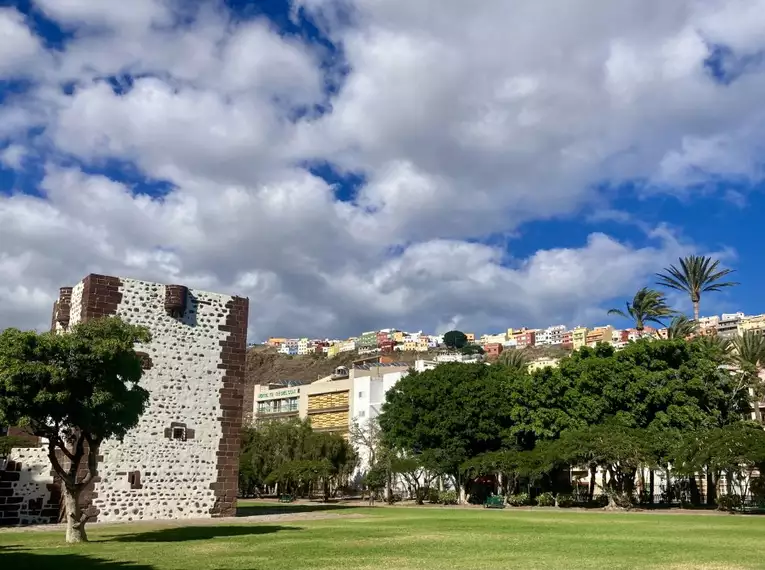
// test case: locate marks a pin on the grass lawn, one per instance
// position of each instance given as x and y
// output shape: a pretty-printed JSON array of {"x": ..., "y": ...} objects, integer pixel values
[{"x": 407, "y": 538}]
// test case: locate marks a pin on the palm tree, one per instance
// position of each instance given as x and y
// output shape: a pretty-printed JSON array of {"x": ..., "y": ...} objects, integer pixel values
[
  {"x": 748, "y": 353},
  {"x": 514, "y": 358},
  {"x": 681, "y": 327},
  {"x": 697, "y": 274},
  {"x": 718, "y": 344},
  {"x": 648, "y": 306}
]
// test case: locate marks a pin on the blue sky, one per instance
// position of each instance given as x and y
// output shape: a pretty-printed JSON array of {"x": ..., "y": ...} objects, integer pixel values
[{"x": 347, "y": 166}]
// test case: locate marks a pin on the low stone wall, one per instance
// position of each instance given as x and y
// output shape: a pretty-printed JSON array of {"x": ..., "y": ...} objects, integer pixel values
[{"x": 28, "y": 494}]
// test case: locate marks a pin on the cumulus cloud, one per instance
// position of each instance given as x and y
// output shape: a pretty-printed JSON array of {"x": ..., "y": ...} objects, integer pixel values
[
  {"x": 20, "y": 50},
  {"x": 463, "y": 121}
]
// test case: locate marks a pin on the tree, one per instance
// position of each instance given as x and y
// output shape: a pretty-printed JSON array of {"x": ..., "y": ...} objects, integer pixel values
[
  {"x": 516, "y": 359},
  {"x": 681, "y": 327},
  {"x": 748, "y": 353},
  {"x": 455, "y": 339},
  {"x": 75, "y": 390},
  {"x": 697, "y": 274},
  {"x": 293, "y": 456},
  {"x": 448, "y": 415},
  {"x": 415, "y": 474},
  {"x": 737, "y": 450},
  {"x": 471, "y": 349},
  {"x": 616, "y": 449},
  {"x": 648, "y": 306}
]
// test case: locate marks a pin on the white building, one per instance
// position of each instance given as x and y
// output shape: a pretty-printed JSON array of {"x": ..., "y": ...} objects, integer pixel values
[
  {"x": 368, "y": 388},
  {"x": 459, "y": 357}
]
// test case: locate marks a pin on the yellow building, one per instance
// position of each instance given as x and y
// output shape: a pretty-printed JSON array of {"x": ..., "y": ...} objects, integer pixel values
[
  {"x": 470, "y": 337},
  {"x": 754, "y": 323},
  {"x": 544, "y": 362},
  {"x": 333, "y": 350},
  {"x": 275, "y": 341},
  {"x": 599, "y": 334},
  {"x": 422, "y": 345},
  {"x": 493, "y": 338},
  {"x": 579, "y": 337},
  {"x": 409, "y": 346},
  {"x": 398, "y": 336}
]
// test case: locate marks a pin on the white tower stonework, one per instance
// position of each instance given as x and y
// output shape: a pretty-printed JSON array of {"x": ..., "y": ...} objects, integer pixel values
[{"x": 182, "y": 459}]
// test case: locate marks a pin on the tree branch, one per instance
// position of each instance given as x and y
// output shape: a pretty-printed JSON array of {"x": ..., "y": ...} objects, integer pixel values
[
  {"x": 68, "y": 480},
  {"x": 93, "y": 447}
]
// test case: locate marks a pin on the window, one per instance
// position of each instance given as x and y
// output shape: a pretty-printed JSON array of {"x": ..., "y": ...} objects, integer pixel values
[
  {"x": 134, "y": 479},
  {"x": 362, "y": 414},
  {"x": 361, "y": 394},
  {"x": 179, "y": 433}
]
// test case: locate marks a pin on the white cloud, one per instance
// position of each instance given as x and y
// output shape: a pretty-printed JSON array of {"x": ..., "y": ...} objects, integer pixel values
[
  {"x": 135, "y": 15},
  {"x": 465, "y": 119},
  {"x": 13, "y": 155},
  {"x": 19, "y": 48}
]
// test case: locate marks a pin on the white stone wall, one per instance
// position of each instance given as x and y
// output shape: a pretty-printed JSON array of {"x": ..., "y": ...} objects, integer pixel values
[
  {"x": 184, "y": 383},
  {"x": 75, "y": 312},
  {"x": 34, "y": 476}
]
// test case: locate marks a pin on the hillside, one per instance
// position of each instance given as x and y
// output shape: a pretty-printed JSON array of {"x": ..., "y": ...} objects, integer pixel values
[{"x": 265, "y": 365}]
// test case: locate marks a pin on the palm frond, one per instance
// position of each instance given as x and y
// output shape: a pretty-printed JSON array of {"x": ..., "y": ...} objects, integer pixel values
[
  {"x": 648, "y": 305},
  {"x": 681, "y": 327}
]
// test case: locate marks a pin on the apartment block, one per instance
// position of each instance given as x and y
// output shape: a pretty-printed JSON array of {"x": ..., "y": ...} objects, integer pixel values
[
  {"x": 600, "y": 334},
  {"x": 728, "y": 325},
  {"x": 525, "y": 339},
  {"x": 492, "y": 350},
  {"x": 579, "y": 337},
  {"x": 752, "y": 323}
]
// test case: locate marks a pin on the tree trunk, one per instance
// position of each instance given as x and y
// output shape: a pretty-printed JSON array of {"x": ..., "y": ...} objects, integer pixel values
[
  {"x": 651, "y": 476},
  {"x": 696, "y": 311},
  {"x": 593, "y": 476},
  {"x": 75, "y": 521},
  {"x": 711, "y": 488},
  {"x": 695, "y": 495}
]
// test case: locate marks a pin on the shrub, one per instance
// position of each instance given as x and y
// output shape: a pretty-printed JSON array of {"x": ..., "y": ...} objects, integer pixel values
[
  {"x": 599, "y": 501},
  {"x": 519, "y": 500},
  {"x": 623, "y": 500},
  {"x": 546, "y": 500},
  {"x": 565, "y": 501},
  {"x": 448, "y": 497},
  {"x": 433, "y": 495},
  {"x": 729, "y": 502}
]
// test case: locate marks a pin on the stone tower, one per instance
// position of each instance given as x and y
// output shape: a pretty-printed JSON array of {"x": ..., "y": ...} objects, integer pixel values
[{"x": 182, "y": 459}]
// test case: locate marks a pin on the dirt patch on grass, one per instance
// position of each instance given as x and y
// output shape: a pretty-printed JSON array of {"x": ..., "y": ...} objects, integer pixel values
[
  {"x": 179, "y": 523},
  {"x": 688, "y": 566}
]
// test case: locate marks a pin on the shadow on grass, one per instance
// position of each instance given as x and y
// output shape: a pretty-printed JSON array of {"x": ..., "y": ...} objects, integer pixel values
[
  {"x": 13, "y": 558},
  {"x": 287, "y": 508},
  {"x": 186, "y": 533}
]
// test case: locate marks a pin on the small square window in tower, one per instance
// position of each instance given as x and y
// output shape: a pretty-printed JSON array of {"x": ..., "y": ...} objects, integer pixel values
[{"x": 179, "y": 433}]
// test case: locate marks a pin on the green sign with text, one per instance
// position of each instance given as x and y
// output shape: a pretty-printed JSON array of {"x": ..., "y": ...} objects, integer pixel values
[{"x": 279, "y": 394}]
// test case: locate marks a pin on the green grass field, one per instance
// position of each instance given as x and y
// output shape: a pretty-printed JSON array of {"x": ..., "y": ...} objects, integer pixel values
[{"x": 408, "y": 538}]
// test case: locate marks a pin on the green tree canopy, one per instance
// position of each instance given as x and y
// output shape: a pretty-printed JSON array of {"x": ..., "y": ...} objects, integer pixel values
[
  {"x": 449, "y": 414},
  {"x": 75, "y": 390},
  {"x": 292, "y": 454},
  {"x": 455, "y": 339}
]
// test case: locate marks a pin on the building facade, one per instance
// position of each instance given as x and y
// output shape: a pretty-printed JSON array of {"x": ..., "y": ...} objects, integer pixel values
[{"x": 181, "y": 460}]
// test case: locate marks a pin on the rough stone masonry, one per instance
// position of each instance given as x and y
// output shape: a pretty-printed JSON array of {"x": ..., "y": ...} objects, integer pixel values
[{"x": 181, "y": 461}]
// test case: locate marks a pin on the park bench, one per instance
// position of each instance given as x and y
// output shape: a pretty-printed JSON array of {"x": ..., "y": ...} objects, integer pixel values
[
  {"x": 286, "y": 499},
  {"x": 495, "y": 502}
]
